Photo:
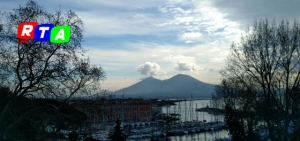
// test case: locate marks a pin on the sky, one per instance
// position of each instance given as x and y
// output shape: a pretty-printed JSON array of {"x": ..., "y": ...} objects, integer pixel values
[{"x": 135, "y": 39}]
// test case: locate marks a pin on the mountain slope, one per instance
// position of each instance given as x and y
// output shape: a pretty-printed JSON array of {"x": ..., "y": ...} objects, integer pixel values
[{"x": 179, "y": 86}]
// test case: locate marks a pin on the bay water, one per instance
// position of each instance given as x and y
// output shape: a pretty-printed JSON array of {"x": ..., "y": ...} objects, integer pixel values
[{"x": 187, "y": 110}]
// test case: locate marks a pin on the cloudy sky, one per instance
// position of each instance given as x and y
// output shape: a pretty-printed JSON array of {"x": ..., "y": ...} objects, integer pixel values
[{"x": 135, "y": 39}]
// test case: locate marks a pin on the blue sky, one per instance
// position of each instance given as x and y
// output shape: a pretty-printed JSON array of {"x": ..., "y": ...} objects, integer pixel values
[{"x": 134, "y": 39}]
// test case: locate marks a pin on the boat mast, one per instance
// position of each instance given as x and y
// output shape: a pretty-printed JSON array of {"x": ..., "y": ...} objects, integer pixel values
[
  {"x": 185, "y": 110},
  {"x": 192, "y": 108},
  {"x": 179, "y": 112},
  {"x": 203, "y": 109},
  {"x": 175, "y": 109},
  {"x": 196, "y": 112}
]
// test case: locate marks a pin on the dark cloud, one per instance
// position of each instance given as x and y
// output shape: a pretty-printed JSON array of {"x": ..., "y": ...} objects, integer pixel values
[{"x": 247, "y": 11}]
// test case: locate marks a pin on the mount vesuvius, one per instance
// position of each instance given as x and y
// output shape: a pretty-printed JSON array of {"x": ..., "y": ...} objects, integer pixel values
[{"x": 179, "y": 86}]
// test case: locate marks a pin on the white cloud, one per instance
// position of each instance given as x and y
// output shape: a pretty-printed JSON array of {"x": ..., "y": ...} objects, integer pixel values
[
  {"x": 176, "y": 58},
  {"x": 211, "y": 25},
  {"x": 201, "y": 22},
  {"x": 198, "y": 58},
  {"x": 193, "y": 21},
  {"x": 163, "y": 9},
  {"x": 186, "y": 66},
  {"x": 190, "y": 37},
  {"x": 183, "y": 63},
  {"x": 130, "y": 4},
  {"x": 98, "y": 23},
  {"x": 150, "y": 69},
  {"x": 194, "y": 60}
]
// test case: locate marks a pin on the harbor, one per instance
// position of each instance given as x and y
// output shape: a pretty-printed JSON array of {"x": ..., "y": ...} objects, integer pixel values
[{"x": 177, "y": 122}]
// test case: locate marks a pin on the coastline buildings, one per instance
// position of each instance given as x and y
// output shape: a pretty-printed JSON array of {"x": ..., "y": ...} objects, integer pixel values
[{"x": 105, "y": 111}]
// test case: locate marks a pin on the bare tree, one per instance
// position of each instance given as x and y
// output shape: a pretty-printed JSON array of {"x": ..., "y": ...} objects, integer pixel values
[
  {"x": 43, "y": 69},
  {"x": 268, "y": 55},
  {"x": 238, "y": 101}
]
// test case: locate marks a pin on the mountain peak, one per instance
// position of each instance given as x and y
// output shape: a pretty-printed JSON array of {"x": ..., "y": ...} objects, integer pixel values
[
  {"x": 149, "y": 79},
  {"x": 182, "y": 75},
  {"x": 178, "y": 86},
  {"x": 183, "y": 78}
]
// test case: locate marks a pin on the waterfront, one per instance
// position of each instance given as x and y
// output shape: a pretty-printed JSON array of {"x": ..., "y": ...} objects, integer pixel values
[
  {"x": 187, "y": 111},
  {"x": 208, "y": 136},
  {"x": 190, "y": 126},
  {"x": 189, "y": 119}
]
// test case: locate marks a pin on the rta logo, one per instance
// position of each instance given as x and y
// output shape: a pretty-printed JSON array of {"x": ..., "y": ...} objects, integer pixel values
[{"x": 43, "y": 32}]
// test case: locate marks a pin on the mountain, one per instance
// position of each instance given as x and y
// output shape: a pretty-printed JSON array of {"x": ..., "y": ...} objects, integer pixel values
[{"x": 179, "y": 86}]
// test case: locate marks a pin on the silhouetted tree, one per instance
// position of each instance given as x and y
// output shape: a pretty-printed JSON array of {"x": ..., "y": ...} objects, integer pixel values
[
  {"x": 234, "y": 124},
  {"x": 265, "y": 67},
  {"x": 90, "y": 139},
  {"x": 34, "y": 119},
  {"x": 41, "y": 70},
  {"x": 239, "y": 105},
  {"x": 118, "y": 135},
  {"x": 73, "y": 136}
]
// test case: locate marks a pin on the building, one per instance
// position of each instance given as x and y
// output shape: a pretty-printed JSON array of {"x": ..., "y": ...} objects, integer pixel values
[{"x": 104, "y": 111}]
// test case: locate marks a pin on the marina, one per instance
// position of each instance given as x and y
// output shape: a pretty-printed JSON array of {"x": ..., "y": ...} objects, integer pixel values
[{"x": 182, "y": 123}]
